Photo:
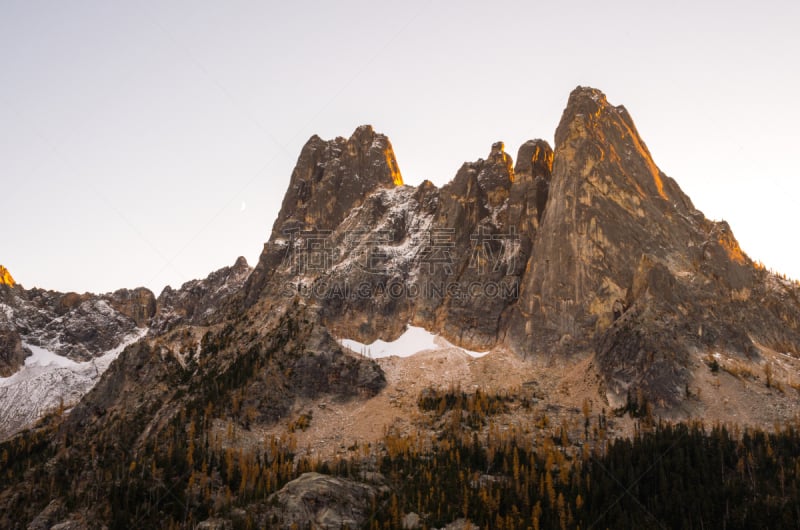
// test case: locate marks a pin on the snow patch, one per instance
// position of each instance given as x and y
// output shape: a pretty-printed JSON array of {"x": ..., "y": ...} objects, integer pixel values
[
  {"x": 7, "y": 311},
  {"x": 45, "y": 358},
  {"x": 48, "y": 380},
  {"x": 413, "y": 340}
]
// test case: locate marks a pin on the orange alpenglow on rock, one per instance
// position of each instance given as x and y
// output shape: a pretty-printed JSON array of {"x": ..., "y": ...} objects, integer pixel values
[
  {"x": 5, "y": 277},
  {"x": 391, "y": 163}
]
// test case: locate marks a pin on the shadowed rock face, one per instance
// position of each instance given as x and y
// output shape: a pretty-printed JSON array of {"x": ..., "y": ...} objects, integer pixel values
[
  {"x": 78, "y": 326},
  {"x": 533, "y": 173},
  {"x": 12, "y": 356},
  {"x": 199, "y": 302},
  {"x": 410, "y": 255}
]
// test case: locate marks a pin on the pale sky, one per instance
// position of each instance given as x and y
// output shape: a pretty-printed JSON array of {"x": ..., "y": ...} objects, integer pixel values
[{"x": 151, "y": 143}]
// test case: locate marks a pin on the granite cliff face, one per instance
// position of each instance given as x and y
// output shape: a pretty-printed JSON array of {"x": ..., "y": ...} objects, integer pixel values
[
  {"x": 585, "y": 248},
  {"x": 625, "y": 265},
  {"x": 330, "y": 180}
]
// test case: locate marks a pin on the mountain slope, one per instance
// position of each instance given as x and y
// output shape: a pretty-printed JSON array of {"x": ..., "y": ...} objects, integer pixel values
[{"x": 55, "y": 346}]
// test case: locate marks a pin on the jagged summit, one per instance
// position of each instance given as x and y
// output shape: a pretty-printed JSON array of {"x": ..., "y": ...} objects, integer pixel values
[
  {"x": 5, "y": 277},
  {"x": 241, "y": 262},
  {"x": 611, "y": 131},
  {"x": 332, "y": 177},
  {"x": 567, "y": 232}
]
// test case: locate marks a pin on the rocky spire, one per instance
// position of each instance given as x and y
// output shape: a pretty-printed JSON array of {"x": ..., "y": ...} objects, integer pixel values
[
  {"x": 535, "y": 158},
  {"x": 622, "y": 260},
  {"x": 330, "y": 179},
  {"x": 533, "y": 172},
  {"x": 604, "y": 137},
  {"x": 607, "y": 204}
]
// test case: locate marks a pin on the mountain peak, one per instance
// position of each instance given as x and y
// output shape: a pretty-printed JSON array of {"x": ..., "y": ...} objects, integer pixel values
[
  {"x": 368, "y": 140},
  {"x": 5, "y": 277},
  {"x": 605, "y": 138},
  {"x": 587, "y": 93},
  {"x": 331, "y": 177},
  {"x": 329, "y": 180}
]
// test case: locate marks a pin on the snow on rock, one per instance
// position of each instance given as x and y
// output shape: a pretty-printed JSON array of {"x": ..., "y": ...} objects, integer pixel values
[
  {"x": 414, "y": 340},
  {"x": 49, "y": 380}
]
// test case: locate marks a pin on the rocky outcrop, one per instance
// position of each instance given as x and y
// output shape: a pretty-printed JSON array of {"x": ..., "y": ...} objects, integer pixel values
[
  {"x": 322, "y": 501},
  {"x": 12, "y": 355},
  {"x": 198, "y": 302},
  {"x": 532, "y": 183},
  {"x": 215, "y": 524},
  {"x": 420, "y": 255},
  {"x": 138, "y": 304},
  {"x": 331, "y": 178}
]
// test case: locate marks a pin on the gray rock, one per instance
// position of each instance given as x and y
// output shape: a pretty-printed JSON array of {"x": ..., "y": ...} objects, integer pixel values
[
  {"x": 215, "y": 524},
  {"x": 12, "y": 355},
  {"x": 199, "y": 302},
  {"x": 323, "y": 502},
  {"x": 411, "y": 520}
]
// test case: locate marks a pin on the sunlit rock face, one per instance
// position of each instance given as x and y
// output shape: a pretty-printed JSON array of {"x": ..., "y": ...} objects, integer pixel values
[
  {"x": 624, "y": 265},
  {"x": 5, "y": 277}
]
